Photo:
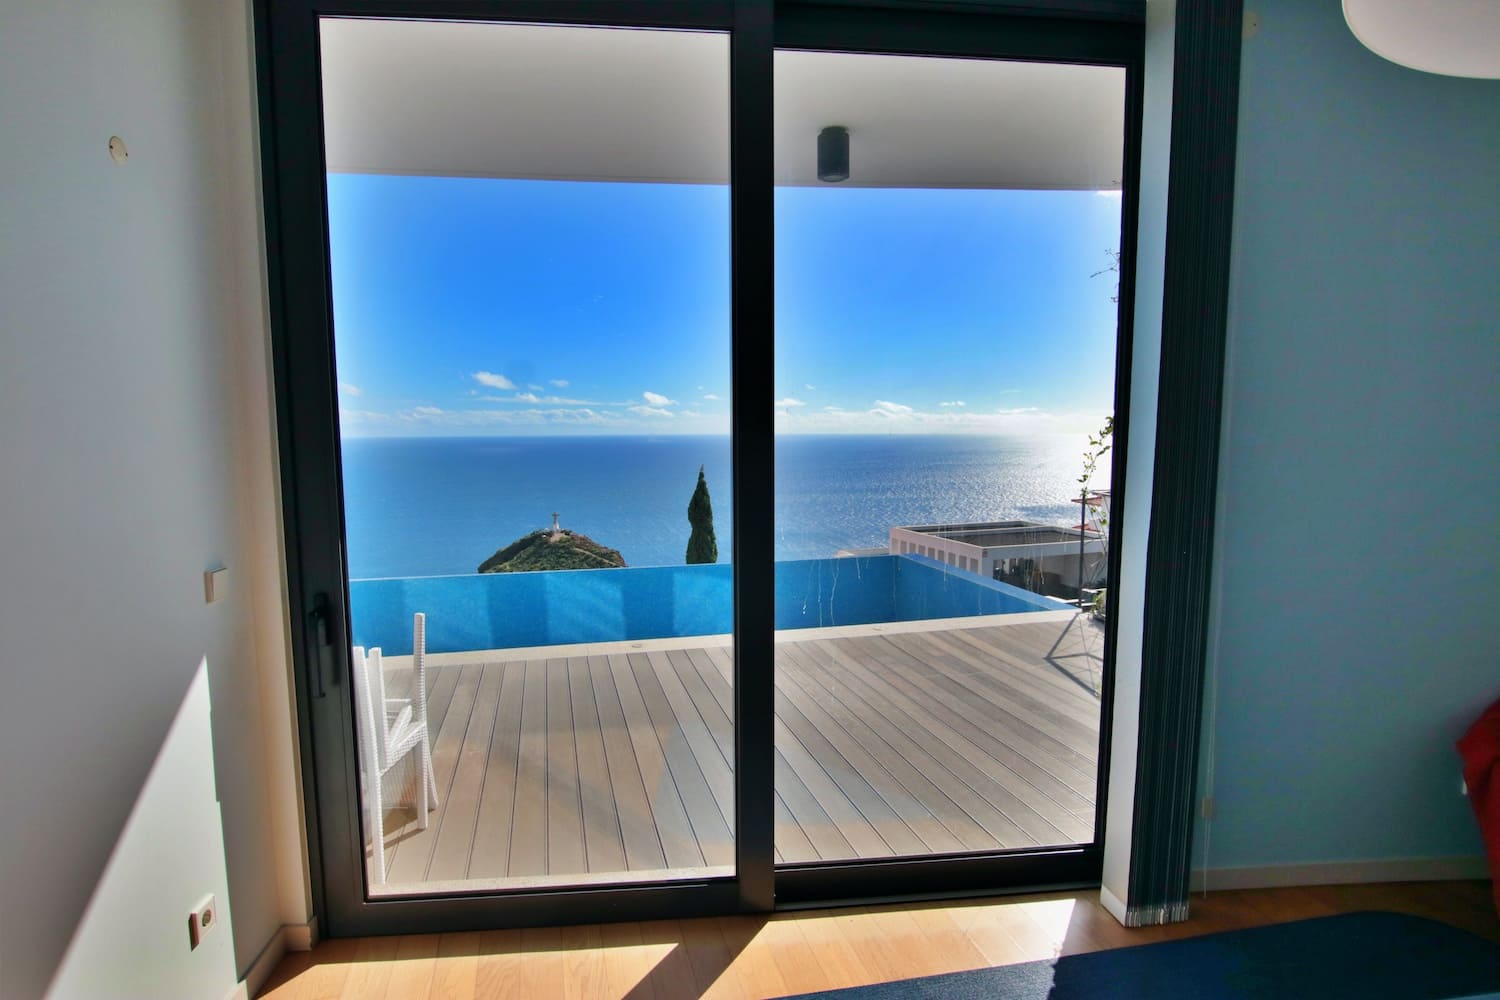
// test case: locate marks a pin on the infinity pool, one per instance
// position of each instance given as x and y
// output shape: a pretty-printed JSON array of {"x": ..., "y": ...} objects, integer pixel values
[{"x": 506, "y": 610}]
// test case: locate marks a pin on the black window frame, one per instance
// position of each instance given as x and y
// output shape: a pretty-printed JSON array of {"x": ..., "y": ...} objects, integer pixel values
[{"x": 1095, "y": 32}]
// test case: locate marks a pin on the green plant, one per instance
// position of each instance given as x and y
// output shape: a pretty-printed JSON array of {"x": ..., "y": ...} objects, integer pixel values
[
  {"x": 701, "y": 546},
  {"x": 1099, "y": 445},
  {"x": 1114, "y": 266},
  {"x": 1098, "y": 510}
]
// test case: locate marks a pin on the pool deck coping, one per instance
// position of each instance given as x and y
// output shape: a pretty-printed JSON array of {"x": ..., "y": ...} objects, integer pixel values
[{"x": 562, "y": 651}]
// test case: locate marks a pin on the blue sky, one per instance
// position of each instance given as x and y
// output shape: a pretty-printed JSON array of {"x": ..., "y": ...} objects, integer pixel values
[{"x": 471, "y": 306}]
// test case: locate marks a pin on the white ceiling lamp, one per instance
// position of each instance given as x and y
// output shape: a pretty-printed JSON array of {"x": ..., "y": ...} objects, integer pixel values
[{"x": 1451, "y": 37}]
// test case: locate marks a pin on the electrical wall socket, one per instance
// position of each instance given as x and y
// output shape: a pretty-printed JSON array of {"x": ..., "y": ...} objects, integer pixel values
[{"x": 202, "y": 920}]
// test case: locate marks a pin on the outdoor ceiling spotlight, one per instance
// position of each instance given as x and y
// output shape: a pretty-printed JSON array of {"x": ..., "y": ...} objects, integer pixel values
[{"x": 833, "y": 154}]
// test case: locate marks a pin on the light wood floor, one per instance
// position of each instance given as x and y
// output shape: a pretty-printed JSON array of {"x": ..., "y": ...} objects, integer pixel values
[
  {"x": 788, "y": 953},
  {"x": 912, "y": 740}
]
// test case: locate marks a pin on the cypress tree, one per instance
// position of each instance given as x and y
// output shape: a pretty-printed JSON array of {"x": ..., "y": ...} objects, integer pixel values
[{"x": 701, "y": 546}]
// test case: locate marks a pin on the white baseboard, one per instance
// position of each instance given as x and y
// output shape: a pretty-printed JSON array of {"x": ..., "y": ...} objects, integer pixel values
[
  {"x": 1441, "y": 869},
  {"x": 1112, "y": 903},
  {"x": 288, "y": 937},
  {"x": 301, "y": 937}
]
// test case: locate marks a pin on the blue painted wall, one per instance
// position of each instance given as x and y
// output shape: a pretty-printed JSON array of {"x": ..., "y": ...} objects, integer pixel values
[
  {"x": 507, "y": 610},
  {"x": 1358, "y": 559}
]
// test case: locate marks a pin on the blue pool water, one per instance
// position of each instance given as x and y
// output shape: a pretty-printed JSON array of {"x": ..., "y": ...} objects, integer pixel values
[{"x": 506, "y": 610}]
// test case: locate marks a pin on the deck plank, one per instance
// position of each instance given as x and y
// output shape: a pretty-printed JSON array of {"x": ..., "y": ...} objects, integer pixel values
[
  {"x": 829, "y": 818},
  {"x": 939, "y": 710},
  {"x": 1043, "y": 719},
  {"x": 604, "y": 846},
  {"x": 565, "y": 850},
  {"x": 1038, "y": 727},
  {"x": 900, "y": 742},
  {"x": 678, "y": 843},
  {"x": 716, "y": 769},
  {"x": 1028, "y": 682},
  {"x": 490, "y": 857},
  {"x": 638, "y": 830},
  {"x": 1016, "y": 657},
  {"x": 979, "y": 743},
  {"x": 410, "y": 863},
  {"x": 708, "y": 826},
  {"x": 1042, "y": 658},
  {"x": 974, "y": 822},
  {"x": 989, "y": 774},
  {"x": 874, "y": 766},
  {"x": 455, "y": 839},
  {"x": 966, "y": 712},
  {"x": 529, "y": 838},
  {"x": 793, "y": 822},
  {"x": 441, "y": 682}
]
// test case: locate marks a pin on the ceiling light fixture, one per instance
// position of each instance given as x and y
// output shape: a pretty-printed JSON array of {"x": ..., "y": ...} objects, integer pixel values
[
  {"x": 1451, "y": 37},
  {"x": 833, "y": 154}
]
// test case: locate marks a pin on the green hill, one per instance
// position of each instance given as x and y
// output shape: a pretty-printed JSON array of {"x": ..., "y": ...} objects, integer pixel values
[{"x": 546, "y": 550}]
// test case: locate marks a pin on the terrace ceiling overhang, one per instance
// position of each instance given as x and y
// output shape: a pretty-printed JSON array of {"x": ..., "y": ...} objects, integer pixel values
[{"x": 542, "y": 102}]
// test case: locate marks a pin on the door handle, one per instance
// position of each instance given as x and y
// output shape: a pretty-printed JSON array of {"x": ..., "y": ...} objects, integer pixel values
[{"x": 320, "y": 626}]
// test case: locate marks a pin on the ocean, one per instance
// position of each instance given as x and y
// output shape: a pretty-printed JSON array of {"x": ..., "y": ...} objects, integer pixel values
[{"x": 440, "y": 506}]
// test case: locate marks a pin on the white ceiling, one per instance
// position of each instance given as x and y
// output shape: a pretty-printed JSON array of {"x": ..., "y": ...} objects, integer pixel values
[{"x": 531, "y": 101}]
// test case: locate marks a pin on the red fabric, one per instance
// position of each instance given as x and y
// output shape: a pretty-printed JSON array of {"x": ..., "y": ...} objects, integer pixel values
[{"x": 1480, "y": 748}]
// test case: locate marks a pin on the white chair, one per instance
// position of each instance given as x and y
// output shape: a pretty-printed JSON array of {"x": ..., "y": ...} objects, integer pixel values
[{"x": 389, "y": 730}]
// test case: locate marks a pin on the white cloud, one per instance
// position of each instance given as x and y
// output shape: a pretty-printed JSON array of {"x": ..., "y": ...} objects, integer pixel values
[
  {"x": 493, "y": 381},
  {"x": 709, "y": 395},
  {"x": 350, "y": 388},
  {"x": 833, "y": 409},
  {"x": 560, "y": 383},
  {"x": 583, "y": 415},
  {"x": 809, "y": 388},
  {"x": 651, "y": 411},
  {"x": 657, "y": 399},
  {"x": 1112, "y": 193},
  {"x": 531, "y": 397},
  {"x": 433, "y": 416},
  {"x": 893, "y": 409},
  {"x": 433, "y": 420},
  {"x": 955, "y": 402},
  {"x": 533, "y": 385},
  {"x": 789, "y": 401}
]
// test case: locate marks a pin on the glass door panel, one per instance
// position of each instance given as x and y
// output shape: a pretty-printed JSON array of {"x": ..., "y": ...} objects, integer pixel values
[
  {"x": 947, "y": 242},
  {"x": 530, "y": 259}
]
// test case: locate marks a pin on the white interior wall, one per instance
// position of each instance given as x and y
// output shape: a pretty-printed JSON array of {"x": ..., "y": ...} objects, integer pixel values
[
  {"x": 126, "y": 933},
  {"x": 135, "y": 439},
  {"x": 1355, "y": 583}
]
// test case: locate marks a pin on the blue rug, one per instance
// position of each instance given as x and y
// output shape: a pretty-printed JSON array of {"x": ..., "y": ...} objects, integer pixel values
[{"x": 1352, "y": 955}]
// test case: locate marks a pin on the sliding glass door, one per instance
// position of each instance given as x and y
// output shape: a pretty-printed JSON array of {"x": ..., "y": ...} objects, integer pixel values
[
  {"x": 531, "y": 310},
  {"x": 649, "y": 396},
  {"x": 948, "y": 236}
]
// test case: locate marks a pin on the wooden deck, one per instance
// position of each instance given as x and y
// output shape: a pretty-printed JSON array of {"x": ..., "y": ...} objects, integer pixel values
[{"x": 890, "y": 741}]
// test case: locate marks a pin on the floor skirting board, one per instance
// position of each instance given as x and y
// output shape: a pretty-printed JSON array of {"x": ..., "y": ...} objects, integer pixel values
[
  {"x": 1342, "y": 873},
  {"x": 288, "y": 937}
]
